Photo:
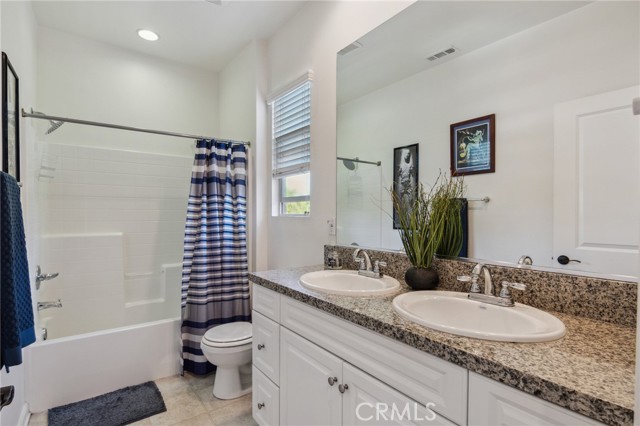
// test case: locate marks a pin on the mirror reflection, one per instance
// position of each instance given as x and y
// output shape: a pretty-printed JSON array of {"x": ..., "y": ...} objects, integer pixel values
[{"x": 560, "y": 78}]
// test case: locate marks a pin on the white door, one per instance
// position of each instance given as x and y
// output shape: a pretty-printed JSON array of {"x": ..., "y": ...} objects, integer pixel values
[
  {"x": 368, "y": 401},
  {"x": 596, "y": 193},
  {"x": 306, "y": 395}
]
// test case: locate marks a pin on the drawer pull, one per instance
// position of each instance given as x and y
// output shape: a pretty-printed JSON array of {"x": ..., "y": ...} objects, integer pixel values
[
  {"x": 332, "y": 380},
  {"x": 260, "y": 405},
  {"x": 343, "y": 388},
  {"x": 260, "y": 346}
]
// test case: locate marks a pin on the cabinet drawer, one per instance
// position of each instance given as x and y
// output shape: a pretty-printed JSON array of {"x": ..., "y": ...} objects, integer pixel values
[
  {"x": 266, "y": 346},
  {"x": 267, "y": 302},
  {"x": 493, "y": 403},
  {"x": 422, "y": 377},
  {"x": 265, "y": 400}
]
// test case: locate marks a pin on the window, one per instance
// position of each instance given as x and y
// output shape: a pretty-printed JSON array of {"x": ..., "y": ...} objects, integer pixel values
[
  {"x": 295, "y": 192},
  {"x": 291, "y": 147}
]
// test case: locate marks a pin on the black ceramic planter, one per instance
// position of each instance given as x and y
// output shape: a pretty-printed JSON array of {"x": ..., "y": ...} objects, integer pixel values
[{"x": 421, "y": 278}]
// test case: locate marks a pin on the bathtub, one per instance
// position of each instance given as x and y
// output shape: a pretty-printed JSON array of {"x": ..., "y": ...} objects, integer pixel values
[{"x": 74, "y": 368}]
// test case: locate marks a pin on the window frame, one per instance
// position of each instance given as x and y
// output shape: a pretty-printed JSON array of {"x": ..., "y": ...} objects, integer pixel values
[{"x": 279, "y": 182}]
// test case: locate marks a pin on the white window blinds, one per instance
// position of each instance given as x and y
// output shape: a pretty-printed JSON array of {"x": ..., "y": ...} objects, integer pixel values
[{"x": 291, "y": 115}]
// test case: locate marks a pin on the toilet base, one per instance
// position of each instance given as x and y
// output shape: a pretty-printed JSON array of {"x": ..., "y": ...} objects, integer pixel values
[{"x": 230, "y": 383}]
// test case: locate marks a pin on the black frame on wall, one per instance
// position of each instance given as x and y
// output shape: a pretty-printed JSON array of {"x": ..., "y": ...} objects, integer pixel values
[{"x": 10, "y": 119}]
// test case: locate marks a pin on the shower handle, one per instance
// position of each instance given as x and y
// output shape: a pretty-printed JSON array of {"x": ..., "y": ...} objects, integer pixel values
[{"x": 43, "y": 277}]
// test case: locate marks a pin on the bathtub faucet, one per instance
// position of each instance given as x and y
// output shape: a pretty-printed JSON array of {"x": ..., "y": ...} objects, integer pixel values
[{"x": 47, "y": 305}]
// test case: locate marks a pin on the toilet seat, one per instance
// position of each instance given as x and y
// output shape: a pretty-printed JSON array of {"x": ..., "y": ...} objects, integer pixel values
[{"x": 228, "y": 335}]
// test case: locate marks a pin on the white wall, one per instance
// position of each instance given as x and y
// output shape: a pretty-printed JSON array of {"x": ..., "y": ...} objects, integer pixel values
[
  {"x": 520, "y": 79},
  {"x": 18, "y": 41},
  {"x": 86, "y": 79},
  {"x": 310, "y": 41},
  {"x": 242, "y": 117}
]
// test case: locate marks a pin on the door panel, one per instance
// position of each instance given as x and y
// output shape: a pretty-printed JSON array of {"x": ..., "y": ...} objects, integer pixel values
[{"x": 596, "y": 190}]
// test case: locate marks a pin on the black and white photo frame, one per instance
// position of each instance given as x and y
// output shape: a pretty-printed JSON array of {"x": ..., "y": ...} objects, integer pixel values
[{"x": 405, "y": 176}]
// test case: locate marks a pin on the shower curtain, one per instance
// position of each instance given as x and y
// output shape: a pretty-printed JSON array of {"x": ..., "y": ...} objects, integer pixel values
[{"x": 215, "y": 282}]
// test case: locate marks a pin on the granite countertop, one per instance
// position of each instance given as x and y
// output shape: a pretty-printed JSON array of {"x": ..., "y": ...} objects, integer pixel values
[{"x": 590, "y": 371}]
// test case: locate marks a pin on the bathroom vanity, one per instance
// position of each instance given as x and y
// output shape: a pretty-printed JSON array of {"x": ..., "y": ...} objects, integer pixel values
[{"x": 333, "y": 360}]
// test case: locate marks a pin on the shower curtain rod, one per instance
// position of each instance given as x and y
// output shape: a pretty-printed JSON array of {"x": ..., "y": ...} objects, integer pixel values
[
  {"x": 132, "y": 129},
  {"x": 357, "y": 160}
]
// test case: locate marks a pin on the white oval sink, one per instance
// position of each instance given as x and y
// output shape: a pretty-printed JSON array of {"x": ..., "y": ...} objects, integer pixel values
[
  {"x": 349, "y": 283},
  {"x": 454, "y": 313}
]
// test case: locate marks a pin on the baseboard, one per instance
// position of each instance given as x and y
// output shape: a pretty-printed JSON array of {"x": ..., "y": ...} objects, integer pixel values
[{"x": 25, "y": 415}]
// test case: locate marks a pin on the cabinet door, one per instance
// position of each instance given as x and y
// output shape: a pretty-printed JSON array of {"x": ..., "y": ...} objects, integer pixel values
[
  {"x": 306, "y": 397},
  {"x": 495, "y": 404},
  {"x": 368, "y": 401},
  {"x": 266, "y": 346},
  {"x": 265, "y": 400}
]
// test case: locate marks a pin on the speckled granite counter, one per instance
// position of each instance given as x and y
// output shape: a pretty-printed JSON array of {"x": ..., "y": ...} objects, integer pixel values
[{"x": 590, "y": 371}]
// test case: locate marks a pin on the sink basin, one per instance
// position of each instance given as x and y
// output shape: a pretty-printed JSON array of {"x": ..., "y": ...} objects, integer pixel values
[
  {"x": 454, "y": 313},
  {"x": 349, "y": 283}
]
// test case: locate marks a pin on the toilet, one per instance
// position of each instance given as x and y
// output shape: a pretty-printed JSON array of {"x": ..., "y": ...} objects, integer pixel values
[{"x": 228, "y": 346}]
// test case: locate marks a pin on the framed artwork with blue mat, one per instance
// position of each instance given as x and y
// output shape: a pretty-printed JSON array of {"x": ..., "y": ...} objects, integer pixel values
[{"x": 121, "y": 407}]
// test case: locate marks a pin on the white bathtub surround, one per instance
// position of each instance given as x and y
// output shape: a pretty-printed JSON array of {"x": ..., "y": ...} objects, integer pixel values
[{"x": 74, "y": 368}]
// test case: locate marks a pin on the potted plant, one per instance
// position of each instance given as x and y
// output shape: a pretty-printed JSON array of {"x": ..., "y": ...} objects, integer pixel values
[{"x": 428, "y": 225}]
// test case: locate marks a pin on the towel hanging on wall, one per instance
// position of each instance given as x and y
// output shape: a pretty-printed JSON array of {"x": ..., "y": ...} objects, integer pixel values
[{"x": 17, "y": 328}]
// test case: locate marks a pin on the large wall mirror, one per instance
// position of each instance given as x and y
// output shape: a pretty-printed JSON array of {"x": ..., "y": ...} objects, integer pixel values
[{"x": 560, "y": 78}]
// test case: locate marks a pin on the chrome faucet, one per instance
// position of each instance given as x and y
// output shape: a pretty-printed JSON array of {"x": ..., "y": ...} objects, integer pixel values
[
  {"x": 365, "y": 268},
  {"x": 525, "y": 261},
  {"x": 503, "y": 299},
  {"x": 47, "y": 305},
  {"x": 475, "y": 274},
  {"x": 365, "y": 262}
]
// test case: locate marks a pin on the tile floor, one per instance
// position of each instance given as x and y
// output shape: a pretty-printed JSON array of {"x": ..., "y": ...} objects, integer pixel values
[{"x": 190, "y": 402}]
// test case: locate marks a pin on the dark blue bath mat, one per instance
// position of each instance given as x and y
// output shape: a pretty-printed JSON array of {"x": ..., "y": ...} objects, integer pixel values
[{"x": 115, "y": 408}]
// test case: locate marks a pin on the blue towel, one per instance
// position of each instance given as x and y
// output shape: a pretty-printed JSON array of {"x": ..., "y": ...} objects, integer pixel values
[
  {"x": 464, "y": 216},
  {"x": 16, "y": 326}
]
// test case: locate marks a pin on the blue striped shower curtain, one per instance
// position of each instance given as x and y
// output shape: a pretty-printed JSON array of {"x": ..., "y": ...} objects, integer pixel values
[{"x": 215, "y": 281}]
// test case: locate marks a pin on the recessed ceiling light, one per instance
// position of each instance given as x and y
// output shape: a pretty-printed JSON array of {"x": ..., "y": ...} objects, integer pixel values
[{"x": 148, "y": 35}]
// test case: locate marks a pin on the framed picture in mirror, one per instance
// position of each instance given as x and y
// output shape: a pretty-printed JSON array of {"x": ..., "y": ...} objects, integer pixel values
[
  {"x": 405, "y": 176},
  {"x": 473, "y": 146},
  {"x": 10, "y": 120}
]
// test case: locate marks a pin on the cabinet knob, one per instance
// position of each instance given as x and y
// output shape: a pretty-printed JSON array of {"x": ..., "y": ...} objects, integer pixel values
[
  {"x": 260, "y": 346},
  {"x": 260, "y": 405},
  {"x": 332, "y": 380},
  {"x": 343, "y": 388}
]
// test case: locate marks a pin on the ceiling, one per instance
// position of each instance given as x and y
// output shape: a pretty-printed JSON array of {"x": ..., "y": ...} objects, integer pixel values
[
  {"x": 193, "y": 32},
  {"x": 399, "y": 48}
]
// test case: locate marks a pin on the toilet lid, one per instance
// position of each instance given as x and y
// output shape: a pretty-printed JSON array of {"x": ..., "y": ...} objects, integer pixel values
[{"x": 231, "y": 334}]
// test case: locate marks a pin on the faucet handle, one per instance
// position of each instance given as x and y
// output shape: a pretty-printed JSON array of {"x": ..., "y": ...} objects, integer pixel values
[
  {"x": 377, "y": 264},
  {"x": 360, "y": 261},
  {"x": 475, "y": 287},
  {"x": 517, "y": 286},
  {"x": 505, "y": 293}
]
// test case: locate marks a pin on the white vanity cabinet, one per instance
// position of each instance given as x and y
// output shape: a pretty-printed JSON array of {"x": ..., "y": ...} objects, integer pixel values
[
  {"x": 318, "y": 388},
  {"x": 388, "y": 380},
  {"x": 312, "y": 368}
]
